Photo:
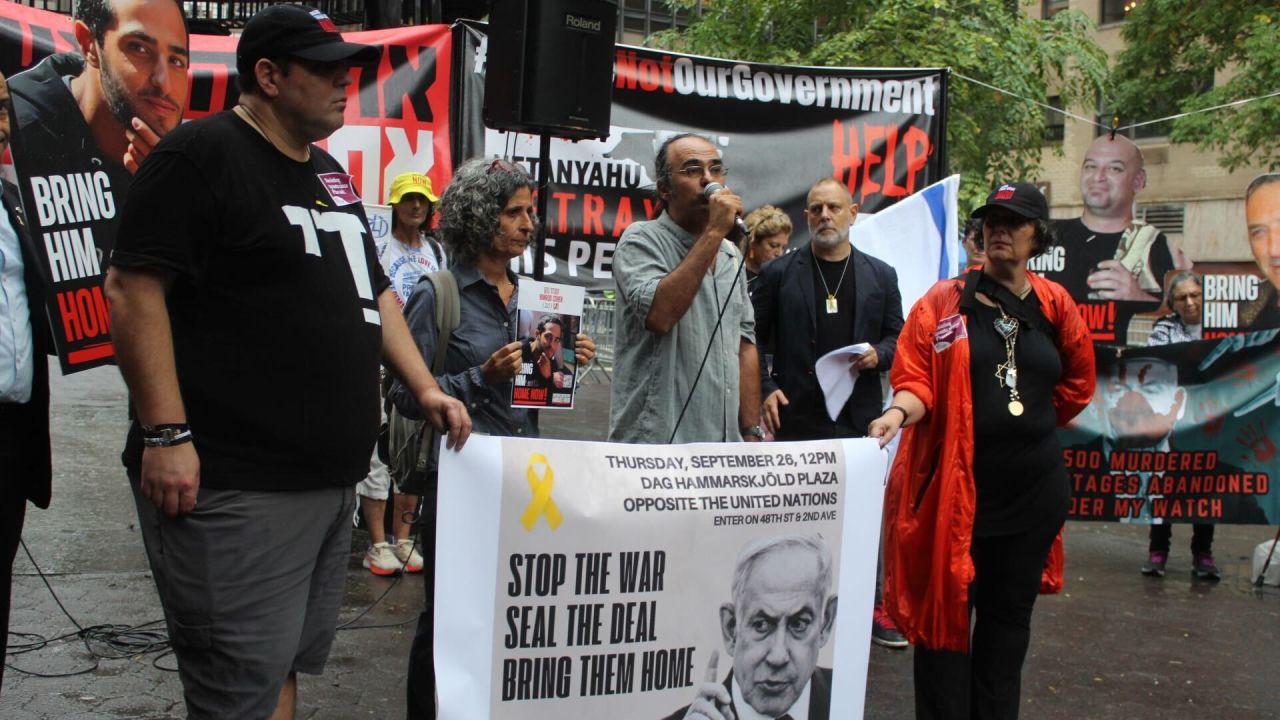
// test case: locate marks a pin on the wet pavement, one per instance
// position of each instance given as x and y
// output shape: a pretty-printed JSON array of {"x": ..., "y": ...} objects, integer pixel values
[{"x": 1115, "y": 644}]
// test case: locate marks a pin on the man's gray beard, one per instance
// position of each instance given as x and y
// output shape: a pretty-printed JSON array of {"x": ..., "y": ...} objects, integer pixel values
[
  {"x": 114, "y": 92},
  {"x": 821, "y": 241}
]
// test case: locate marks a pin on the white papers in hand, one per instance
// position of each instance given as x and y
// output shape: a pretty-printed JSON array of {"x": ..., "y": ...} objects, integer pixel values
[{"x": 837, "y": 376}]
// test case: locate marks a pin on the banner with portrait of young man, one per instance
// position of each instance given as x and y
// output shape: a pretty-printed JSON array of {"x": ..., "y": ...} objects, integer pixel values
[
  {"x": 1180, "y": 434},
  {"x": 579, "y": 579},
  {"x": 91, "y": 97},
  {"x": 779, "y": 128},
  {"x": 1120, "y": 258}
]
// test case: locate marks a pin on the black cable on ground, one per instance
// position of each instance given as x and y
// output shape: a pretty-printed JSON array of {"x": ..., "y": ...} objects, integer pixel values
[
  {"x": 123, "y": 642},
  {"x": 102, "y": 642}
]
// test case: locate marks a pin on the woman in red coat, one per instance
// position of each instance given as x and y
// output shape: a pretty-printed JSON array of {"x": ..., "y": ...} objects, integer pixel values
[{"x": 988, "y": 365}]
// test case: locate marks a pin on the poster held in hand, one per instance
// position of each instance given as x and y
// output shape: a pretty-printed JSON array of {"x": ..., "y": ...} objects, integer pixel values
[{"x": 548, "y": 321}]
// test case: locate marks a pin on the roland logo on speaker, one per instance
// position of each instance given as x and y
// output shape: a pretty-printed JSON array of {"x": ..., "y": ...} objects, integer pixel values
[{"x": 578, "y": 22}]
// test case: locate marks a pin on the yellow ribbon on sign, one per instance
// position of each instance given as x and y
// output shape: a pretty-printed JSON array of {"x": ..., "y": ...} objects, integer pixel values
[{"x": 541, "y": 504}]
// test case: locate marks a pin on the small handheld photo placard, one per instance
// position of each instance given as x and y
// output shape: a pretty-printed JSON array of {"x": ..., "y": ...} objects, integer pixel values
[{"x": 548, "y": 319}]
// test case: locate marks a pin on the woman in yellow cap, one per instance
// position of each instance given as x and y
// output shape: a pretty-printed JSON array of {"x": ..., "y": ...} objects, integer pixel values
[
  {"x": 408, "y": 253},
  {"x": 411, "y": 251}
]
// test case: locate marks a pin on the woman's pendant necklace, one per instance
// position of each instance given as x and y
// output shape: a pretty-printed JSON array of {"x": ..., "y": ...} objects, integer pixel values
[{"x": 1007, "y": 371}]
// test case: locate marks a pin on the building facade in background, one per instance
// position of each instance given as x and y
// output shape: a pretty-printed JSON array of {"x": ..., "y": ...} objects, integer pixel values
[{"x": 1197, "y": 203}]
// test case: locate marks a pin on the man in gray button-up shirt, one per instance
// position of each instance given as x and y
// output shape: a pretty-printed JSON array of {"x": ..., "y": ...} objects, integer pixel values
[{"x": 674, "y": 275}]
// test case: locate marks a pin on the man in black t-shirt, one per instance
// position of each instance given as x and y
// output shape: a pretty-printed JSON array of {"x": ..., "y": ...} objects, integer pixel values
[
  {"x": 1104, "y": 254},
  {"x": 250, "y": 315},
  {"x": 815, "y": 300}
]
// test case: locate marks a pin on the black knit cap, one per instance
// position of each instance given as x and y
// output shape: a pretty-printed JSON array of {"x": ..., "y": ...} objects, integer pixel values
[
  {"x": 295, "y": 31},
  {"x": 1022, "y": 198}
]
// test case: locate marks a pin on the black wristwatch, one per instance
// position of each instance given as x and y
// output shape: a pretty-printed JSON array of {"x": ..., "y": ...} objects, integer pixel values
[
  {"x": 166, "y": 435},
  {"x": 755, "y": 430}
]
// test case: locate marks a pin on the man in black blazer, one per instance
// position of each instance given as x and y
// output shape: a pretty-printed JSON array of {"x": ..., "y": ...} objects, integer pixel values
[
  {"x": 26, "y": 469},
  {"x": 781, "y": 616},
  {"x": 817, "y": 299}
]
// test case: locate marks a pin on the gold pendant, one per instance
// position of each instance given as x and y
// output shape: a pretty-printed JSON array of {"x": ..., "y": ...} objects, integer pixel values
[
  {"x": 1015, "y": 408},
  {"x": 833, "y": 306}
]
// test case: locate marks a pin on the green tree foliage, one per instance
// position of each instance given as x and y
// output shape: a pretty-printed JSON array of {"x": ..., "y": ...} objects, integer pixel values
[
  {"x": 990, "y": 136},
  {"x": 1175, "y": 46}
]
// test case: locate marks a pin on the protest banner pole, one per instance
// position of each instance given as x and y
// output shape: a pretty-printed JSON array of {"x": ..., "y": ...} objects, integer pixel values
[{"x": 544, "y": 185}]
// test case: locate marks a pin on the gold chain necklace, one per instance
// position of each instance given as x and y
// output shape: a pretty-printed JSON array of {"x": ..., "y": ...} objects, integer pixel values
[
  {"x": 833, "y": 305},
  {"x": 1007, "y": 371}
]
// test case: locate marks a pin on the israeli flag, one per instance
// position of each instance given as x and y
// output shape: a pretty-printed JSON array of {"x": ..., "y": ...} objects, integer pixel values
[{"x": 919, "y": 236}]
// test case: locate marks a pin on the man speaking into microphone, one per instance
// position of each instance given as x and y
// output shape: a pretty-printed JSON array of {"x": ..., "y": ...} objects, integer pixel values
[{"x": 686, "y": 363}]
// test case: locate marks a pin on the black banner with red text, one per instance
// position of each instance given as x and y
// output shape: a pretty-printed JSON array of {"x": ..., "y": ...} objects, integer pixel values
[{"x": 779, "y": 128}]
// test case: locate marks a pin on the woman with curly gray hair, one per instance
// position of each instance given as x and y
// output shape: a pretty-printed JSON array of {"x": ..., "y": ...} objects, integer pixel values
[
  {"x": 487, "y": 219},
  {"x": 474, "y": 209}
]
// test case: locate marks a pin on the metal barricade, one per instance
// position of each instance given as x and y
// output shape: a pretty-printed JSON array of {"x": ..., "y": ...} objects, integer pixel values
[{"x": 597, "y": 321}]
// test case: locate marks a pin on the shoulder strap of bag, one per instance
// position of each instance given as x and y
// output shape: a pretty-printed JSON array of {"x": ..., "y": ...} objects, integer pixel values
[{"x": 448, "y": 315}]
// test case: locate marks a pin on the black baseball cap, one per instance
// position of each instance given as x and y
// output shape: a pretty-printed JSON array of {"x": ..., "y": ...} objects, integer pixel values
[
  {"x": 1022, "y": 198},
  {"x": 295, "y": 31}
]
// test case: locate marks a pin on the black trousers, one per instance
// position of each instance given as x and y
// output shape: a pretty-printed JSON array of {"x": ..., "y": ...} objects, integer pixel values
[
  {"x": 1201, "y": 538},
  {"x": 986, "y": 683},
  {"x": 13, "y": 510},
  {"x": 422, "y": 671}
]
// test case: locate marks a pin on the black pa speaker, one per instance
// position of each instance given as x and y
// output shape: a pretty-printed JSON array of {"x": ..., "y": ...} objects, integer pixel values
[{"x": 550, "y": 67}]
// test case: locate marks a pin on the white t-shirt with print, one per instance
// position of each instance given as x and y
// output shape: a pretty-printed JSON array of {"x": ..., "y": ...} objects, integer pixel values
[{"x": 406, "y": 265}]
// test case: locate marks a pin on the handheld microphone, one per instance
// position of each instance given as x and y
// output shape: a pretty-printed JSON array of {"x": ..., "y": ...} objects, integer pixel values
[{"x": 738, "y": 224}]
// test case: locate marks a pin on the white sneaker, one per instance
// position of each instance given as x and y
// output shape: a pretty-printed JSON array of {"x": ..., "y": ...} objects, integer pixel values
[
  {"x": 408, "y": 555},
  {"x": 381, "y": 560}
]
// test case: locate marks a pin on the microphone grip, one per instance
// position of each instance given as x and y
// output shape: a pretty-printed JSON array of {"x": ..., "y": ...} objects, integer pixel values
[{"x": 739, "y": 226}]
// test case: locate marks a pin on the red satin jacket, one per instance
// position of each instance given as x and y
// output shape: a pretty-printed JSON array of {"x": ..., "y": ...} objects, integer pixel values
[{"x": 930, "y": 500}]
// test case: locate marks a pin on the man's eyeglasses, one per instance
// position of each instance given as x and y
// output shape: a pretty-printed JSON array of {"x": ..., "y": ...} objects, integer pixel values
[{"x": 693, "y": 172}]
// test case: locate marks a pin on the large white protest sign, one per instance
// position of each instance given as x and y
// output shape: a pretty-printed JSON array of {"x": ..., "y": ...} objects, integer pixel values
[{"x": 597, "y": 580}]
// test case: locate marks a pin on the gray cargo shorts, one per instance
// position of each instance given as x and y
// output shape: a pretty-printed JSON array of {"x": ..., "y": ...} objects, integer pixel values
[{"x": 251, "y": 583}]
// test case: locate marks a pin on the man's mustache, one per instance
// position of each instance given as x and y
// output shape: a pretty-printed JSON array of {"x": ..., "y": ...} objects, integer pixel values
[{"x": 158, "y": 94}]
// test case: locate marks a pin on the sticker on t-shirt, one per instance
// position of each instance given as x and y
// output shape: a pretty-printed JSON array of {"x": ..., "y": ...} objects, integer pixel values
[
  {"x": 950, "y": 331},
  {"x": 340, "y": 188}
]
